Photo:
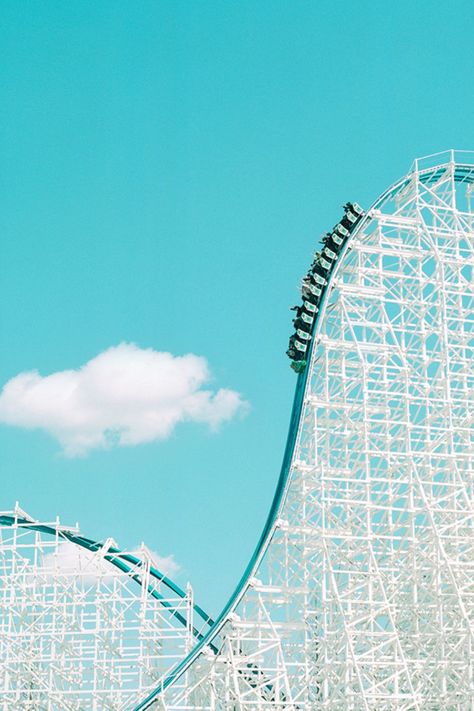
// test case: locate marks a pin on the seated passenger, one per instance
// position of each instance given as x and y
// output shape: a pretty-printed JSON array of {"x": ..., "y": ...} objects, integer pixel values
[
  {"x": 354, "y": 208},
  {"x": 298, "y": 323}
]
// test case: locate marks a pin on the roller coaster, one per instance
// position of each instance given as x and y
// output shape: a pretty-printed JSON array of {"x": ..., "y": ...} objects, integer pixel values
[{"x": 360, "y": 592}]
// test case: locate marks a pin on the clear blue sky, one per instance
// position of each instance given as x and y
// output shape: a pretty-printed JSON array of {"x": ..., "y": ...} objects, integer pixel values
[{"x": 166, "y": 170}]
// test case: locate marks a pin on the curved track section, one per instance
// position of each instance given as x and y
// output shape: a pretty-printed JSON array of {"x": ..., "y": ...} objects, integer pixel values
[
  {"x": 84, "y": 625},
  {"x": 128, "y": 563},
  {"x": 359, "y": 593}
]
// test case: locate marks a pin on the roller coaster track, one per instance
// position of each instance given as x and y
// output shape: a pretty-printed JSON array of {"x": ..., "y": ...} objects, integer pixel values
[
  {"x": 359, "y": 593},
  {"x": 457, "y": 168},
  {"x": 125, "y": 562}
]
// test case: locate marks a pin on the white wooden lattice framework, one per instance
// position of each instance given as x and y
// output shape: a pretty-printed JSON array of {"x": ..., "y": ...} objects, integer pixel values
[
  {"x": 362, "y": 596},
  {"x": 78, "y": 631}
]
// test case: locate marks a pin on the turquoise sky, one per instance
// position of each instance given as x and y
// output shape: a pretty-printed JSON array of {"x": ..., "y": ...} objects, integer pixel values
[{"x": 166, "y": 171}]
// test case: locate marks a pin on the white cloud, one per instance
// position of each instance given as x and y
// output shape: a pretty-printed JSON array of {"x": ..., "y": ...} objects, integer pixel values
[
  {"x": 122, "y": 397},
  {"x": 71, "y": 558},
  {"x": 164, "y": 564}
]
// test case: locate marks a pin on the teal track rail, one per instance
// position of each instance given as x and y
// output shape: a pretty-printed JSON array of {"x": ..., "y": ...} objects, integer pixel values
[
  {"x": 462, "y": 173},
  {"x": 261, "y": 545},
  {"x": 125, "y": 562}
]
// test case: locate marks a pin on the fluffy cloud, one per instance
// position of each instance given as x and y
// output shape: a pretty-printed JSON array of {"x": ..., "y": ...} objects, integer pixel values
[
  {"x": 165, "y": 564},
  {"x": 70, "y": 558},
  {"x": 122, "y": 397}
]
